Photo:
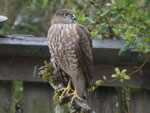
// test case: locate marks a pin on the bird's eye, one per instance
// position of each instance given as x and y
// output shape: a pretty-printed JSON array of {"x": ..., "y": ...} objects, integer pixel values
[{"x": 65, "y": 15}]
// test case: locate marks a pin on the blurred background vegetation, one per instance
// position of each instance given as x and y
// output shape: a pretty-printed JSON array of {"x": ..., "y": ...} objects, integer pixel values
[
  {"x": 128, "y": 20},
  {"x": 33, "y": 16}
]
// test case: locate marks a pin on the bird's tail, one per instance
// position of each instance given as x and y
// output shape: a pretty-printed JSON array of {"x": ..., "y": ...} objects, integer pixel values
[{"x": 89, "y": 99}]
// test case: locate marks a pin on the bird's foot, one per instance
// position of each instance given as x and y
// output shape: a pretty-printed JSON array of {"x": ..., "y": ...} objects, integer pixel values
[
  {"x": 74, "y": 95},
  {"x": 66, "y": 90}
]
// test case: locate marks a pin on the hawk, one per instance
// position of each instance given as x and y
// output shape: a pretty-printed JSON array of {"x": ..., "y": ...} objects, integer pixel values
[{"x": 70, "y": 46}]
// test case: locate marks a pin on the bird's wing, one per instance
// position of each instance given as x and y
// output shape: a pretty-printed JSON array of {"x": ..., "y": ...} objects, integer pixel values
[{"x": 84, "y": 51}]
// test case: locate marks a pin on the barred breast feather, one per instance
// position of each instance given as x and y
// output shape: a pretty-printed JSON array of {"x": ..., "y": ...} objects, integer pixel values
[{"x": 62, "y": 40}]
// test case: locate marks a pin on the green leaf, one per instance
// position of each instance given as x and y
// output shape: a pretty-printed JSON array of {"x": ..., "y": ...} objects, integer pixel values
[
  {"x": 121, "y": 80},
  {"x": 104, "y": 77},
  {"x": 103, "y": 26},
  {"x": 125, "y": 47},
  {"x": 117, "y": 70},
  {"x": 94, "y": 33},
  {"x": 124, "y": 70},
  {"x": 126, "y": 77},
  {"x": 147, "y": 50},
  {"x": 114, "y": 76},
  {"x": 105, "y": 13},
  {"x": 116, "y": 18},
  {"x": 98, "y": 82},
  {"x": 93, "y": 88},
  {"x": 108, "y": 4},
  {"x": 117, "y": 30}
]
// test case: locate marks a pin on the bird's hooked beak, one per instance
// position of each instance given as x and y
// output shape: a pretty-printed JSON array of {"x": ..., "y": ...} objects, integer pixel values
[{"x": 73, "y": 17}]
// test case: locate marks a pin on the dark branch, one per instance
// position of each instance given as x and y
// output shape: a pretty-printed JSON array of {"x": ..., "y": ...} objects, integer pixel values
[{"x": 80, "y": 105}]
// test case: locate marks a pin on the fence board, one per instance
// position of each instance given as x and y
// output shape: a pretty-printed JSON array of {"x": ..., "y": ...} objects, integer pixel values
[
  {"x": 5, "y": 96},
  {"x": 38, "y": 98},
  {"x": 104, "y": 51},
  {"x": 26, "y": 68},
  {"x": 104, "y": 100},
  {"x": 140, "y": 101},
  {"x": 20, "y": 68}
]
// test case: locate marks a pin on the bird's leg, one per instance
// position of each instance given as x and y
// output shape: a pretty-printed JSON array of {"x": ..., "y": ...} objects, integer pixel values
[
  {"x": 65, "y": 90},
  {"x": 74, "y": 95}
]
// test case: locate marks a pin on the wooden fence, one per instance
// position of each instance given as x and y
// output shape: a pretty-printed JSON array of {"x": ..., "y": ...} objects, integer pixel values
[{"x": 20, "y": 57}]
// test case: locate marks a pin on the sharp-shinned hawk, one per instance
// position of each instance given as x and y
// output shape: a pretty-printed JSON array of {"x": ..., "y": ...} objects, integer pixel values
[{"x": 70, "y": 47}]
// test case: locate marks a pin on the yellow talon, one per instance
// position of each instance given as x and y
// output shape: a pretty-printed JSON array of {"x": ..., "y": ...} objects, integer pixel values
[
  {"x": 74, "y": 95},
  {"x": 65, "y": 90}
]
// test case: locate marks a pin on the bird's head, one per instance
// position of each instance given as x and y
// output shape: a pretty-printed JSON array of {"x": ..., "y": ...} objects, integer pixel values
[{"x": 64, "y": 16}]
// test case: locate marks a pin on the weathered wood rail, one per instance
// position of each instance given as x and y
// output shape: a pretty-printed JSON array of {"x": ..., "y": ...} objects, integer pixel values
[{"x": 20, "y": 57}]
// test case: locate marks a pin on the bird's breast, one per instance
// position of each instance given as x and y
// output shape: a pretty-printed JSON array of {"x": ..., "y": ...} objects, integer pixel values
[{"x": 62, "y": 40}]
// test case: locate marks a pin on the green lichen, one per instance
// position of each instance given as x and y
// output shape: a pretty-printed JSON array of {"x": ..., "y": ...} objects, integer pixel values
[
  {"x": 61, "y": 108},
  {"x": 46, "y": 73},
  {"x": 56, "y": 97}
]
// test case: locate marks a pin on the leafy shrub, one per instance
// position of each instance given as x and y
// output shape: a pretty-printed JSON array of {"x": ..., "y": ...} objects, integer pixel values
[{"x": 128, "y": 20}]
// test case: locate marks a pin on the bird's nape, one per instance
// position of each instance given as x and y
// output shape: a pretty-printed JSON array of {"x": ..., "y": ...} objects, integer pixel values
[{"x": 64, "y": 11}]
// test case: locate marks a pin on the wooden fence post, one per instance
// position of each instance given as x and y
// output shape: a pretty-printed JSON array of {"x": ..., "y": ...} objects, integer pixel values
[
  {"x": 5, "y": 96},
  {"x": 37, "y": 98}
]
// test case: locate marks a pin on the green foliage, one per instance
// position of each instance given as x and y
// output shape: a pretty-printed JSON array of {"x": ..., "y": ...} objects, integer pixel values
[
  {"x": 56, "y": 97},
  {"x": 33, "y": 16},
  {"x": 96, "y": 85},
  {"x": 128, "y": 20},
  {"x": 98, "y": 82},
  {"x": 120, "y": 74},
  {"x": 104, "y": 77}
]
